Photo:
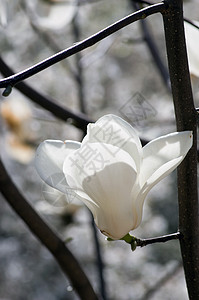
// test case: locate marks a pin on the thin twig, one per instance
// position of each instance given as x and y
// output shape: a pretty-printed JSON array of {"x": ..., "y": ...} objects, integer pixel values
[
  {"x": 141, "y": 14},
  {"x": 80, "y": 85},
  {"x": 163, "y": 71},
  {"x": 79, "y": 72},
  {"x": 47, "y": 236},
  {"x": 46, "y": 36},
  {"x": 79, "y": 120},
  {"x": 143, "y": 2},
  {"x": 160, "y": 239},
  {"x": 99, "y": 260},
  {"x": 191, "y": 23},
  {"x": 161, "y": 282}
]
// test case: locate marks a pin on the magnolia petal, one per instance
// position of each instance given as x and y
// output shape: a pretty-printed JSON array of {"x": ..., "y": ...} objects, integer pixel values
[
  {"x": 90, "y": 159},
  {"x": 161, "y": 173},
  {"x": 161, "y": 157},
  {"x": 65, "y": 12},
  {"x": 160, "y": 151},
  {"x": 49, "y": 159},
  {"x": 4, "y": 13},
  {"x": 111, "y": 191},
  {"x": 113, "y": 130},
  {"x": 103, "y": 177},
  {"x": 192, "y": 39}
]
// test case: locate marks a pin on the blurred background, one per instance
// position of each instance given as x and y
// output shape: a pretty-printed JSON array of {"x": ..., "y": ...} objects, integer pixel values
[{"x": 119, "y": 75}]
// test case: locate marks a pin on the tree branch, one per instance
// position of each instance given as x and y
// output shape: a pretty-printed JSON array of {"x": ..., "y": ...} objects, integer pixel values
[
  {"x": 141, "y": 14},
  {"x": 80, "y": 120},
  {"x": 163, "y": 71},
  {"x": 161, "y": 282},
  {"x": 47, "y": 236},
  {"x": 160, "y": 239},
  {"x": 79, "y": 70},
  {"x": 186, "y": 119},
  {"x": 191, "y": 23},
  {"x": 80, "y": 85}
]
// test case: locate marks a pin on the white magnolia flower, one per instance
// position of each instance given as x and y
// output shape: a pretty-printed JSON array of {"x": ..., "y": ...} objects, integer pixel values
[
  {"x": 192, "y": 39},
  {"x": 110, "y": 171},
  {"x": 59, "y": 15}
]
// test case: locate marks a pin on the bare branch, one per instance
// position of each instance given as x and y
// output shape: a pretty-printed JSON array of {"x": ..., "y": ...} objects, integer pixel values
[
  {"x": 163, "y": 70},
  {"x": 141, "y": 14},
  {"x": 79, "y": 73},
  {"x": 80, "y": 120},
  {"x": 160, "y": 239},
  {"x": 191, "y": 23},
  {"x": 161, "y": 282},
  {"x": 47, "y": 236}
]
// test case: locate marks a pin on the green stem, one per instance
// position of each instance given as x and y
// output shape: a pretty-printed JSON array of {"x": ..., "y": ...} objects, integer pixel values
[{"x": 135, "y": 242}]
